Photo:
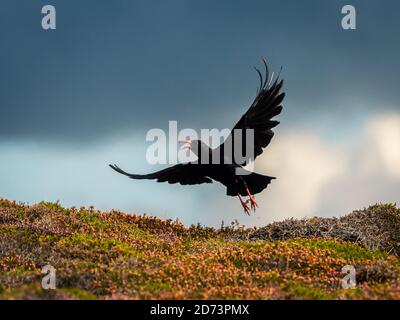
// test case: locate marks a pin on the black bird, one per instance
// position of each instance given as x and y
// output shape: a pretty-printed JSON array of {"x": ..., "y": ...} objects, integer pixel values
[{"x": 258, "y": 119}]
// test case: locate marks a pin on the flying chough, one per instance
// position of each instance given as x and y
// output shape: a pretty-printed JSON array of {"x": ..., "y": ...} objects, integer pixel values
[{"x": 257, "y": 119}]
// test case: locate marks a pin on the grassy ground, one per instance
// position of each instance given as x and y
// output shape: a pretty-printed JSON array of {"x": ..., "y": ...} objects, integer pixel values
[{"x": 100, "y": 255}]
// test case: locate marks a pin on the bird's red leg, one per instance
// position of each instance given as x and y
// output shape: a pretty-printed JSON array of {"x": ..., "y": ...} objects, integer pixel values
[
  {"x": 252, "y": 199},
  {"x": 244, "y": 204}
]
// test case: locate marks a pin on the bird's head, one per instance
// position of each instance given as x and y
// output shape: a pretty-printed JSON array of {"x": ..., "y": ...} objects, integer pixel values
[
  {"x": 186, "y": 144},
  {"x": 196, "y": 146}
]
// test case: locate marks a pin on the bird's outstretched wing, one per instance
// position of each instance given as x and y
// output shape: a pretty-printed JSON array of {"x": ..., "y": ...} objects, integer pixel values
[
  {"x": 258, "y": 117},
  {"x": 181, "y": 173}
]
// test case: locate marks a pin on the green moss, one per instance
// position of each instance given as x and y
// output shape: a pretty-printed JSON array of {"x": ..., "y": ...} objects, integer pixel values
[
  {"x": 78, "y": 293},
  {"x": 104, "y": 244},
  {"x": 138, "y": 233},
  {"x": 302, "y": 291},
  {"x": 255, "y": 245},
  {"x": 19, "y": 212},
  {"x": 25, "y": 237},
  {"x": 16, "y": 275},
  {"x": 51, "y": 205},
  {"x": 158, "y": 286},
  {"x": 8, "y": 230},
  {"x": 93, "y": 219},
  {"x": 339, "y": 249},
  {"x": 28, "y": 237},
  {"x": 81, "y": 238},
  {"x": 28, "y": 291},
  {"x": 355, "y": 293}
]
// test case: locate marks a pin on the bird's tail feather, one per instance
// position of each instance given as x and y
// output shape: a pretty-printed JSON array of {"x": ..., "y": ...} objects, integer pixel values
[
  {"x": 254, "y": 181},
  {"x": 257, "y": 182}
]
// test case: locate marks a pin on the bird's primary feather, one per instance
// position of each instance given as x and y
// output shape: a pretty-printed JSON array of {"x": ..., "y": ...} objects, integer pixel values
[
  {"x": 258, "y": 117},
  {"x": 185, "y": 174}
]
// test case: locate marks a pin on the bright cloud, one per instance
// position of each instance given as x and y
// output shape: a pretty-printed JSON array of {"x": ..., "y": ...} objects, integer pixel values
[
  {"x": 382, "y": 145},
  {"x": 304, "y": 165}
]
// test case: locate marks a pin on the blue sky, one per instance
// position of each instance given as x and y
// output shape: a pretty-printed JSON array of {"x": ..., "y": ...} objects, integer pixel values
[{"x": 85, "y": 95}]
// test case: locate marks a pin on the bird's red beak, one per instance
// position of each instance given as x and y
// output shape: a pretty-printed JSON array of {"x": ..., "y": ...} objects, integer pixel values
[{"x": 185, "y": 144}]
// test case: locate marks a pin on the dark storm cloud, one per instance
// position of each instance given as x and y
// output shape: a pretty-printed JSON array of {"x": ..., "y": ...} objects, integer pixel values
[{"x": 112, "y": 65}]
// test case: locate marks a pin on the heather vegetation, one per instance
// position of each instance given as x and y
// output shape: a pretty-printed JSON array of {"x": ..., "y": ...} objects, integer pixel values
[{"x": 112, "y": 255}]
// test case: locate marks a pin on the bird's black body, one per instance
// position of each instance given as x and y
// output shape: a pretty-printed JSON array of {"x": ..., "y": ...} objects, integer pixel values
[
  {"x": 190, "y": 174},
  {"x": 222, "y": 165}
]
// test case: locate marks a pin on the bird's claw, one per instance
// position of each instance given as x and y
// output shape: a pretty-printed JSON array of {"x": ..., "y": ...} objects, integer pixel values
[
  {"x": 246, "y": 207},
  {"x": 252, "y": 200},
  {"x": 253, "y": 203}
]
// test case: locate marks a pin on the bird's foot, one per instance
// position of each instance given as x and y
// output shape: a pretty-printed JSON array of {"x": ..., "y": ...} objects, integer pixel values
[
  {"x": 244, "y": 205},
  {"x": 252, "y": 200}
]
